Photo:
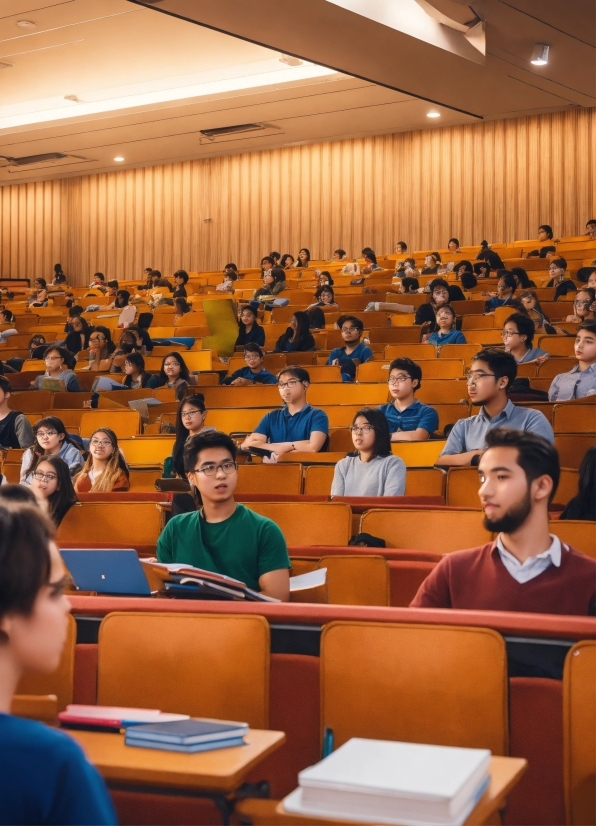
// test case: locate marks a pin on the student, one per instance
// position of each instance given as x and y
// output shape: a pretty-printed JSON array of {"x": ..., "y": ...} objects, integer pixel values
[
  {"x": 506, "y": 287},
  {"x": 55, "y": 358},
  {"x": 268, "y": 284},
  {"x": 490, "y": 257},
  {"x": 40, "y": 294},
  {"x": 339, "y": 255},
  {"x": 222, "y": 536},
  {"x": 254, "y": 372},
  {"x": 325, "y": 279},
  {"x": 181, "y": 307},
  {"x": 249, "y": 330},
  {"x": 175, "y": 374},
  {"x": 78, "y": 336},
  {"x": 370, "y": 263},
  {"x": 7, "y": 317},
  {"x": 296, "y": 426},
  {"x": 354, "y": 352},
  {"x": 446, "y": 332},
  {"x": 526, "y": 568},
  {"x": 431, "y": 264},
  {"x": 584, "y": 306},
  {"x": 51, "y": 439},
  {"x": 372, "y": 470},
  {"x": 580, "y": 381},
  {"x": 489, "y": 381},
  {"x": 591, "y": 228},
  {"x": 453, "y": 246},
  {"x": 563, "y": 285},
  {"x": 276, "y": 256},
  {"x": 408, "y": 419},
  {"x": 518, "y": 334},
  {"x": 136, "y": 377},
  {"x": 287, "y": 261},
  {"x": 15, "y": 430},
  {"x": 303, "y": 258},
  {"x": 401, "y": 248},
  {"x": 545, "y": 234},
  {"x": 98, "y": 282},
  {"x": 297, "y": 338},
  {"x": 190, "y": 421},
  {"x": 101, "y": 350},
  {"x": 52, "y": 484},
  {"x": 227, "y": 285},
  {"x": 180, "y": 281},
  {"x": 45, "y": 777},
  {"x": 522, "y": 278},
  {"x": 583, "y": 506},
  {"x": 326, "y": 298},
  {"x": 127, "y": 343},
  {"x": 105, "y": 469},
  {"x": 143, "y": 339},
  {"x": 426, "y": 314},
  {"x": 112, "y": 289},
  {"x": 532, "y": 304},
  {"x": 59, "y": 277}
]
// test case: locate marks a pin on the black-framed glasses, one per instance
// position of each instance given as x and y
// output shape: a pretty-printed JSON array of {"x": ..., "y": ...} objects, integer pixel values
[
  {"x": 281, "y": 385},
  {"x": 472, "y": 378},
  {"x": 364, "y": 429},
  {"x": 349, "y": 329},
  {"x": 210, "y": 470},
  {"x": 44, "y": 477},
  {"x": 186, "y": 413},
  {"x": 393, "y": 380},
  {"x": 46, "y": 434}
]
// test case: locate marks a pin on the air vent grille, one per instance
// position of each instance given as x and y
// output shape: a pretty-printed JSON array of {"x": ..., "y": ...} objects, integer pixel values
[{"x": 232, "y": 130}]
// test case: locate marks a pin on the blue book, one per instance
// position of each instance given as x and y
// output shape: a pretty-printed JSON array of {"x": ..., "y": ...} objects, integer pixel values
[
  {"x": 130, "y": 740},
  {"x": 189, "y": 732}
]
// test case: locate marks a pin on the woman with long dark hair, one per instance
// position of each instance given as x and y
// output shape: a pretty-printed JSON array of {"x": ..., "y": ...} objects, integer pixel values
[
  {"x": 249, "y": 330},
  {"x": 371, "y": 470},
  {"x": 52, "y": 484},
  {"x": 175, "y": 374},
  {"x": 583, "y": 506},
  {"x": 136, "y": 376},
  {"x": 78, "y": 335},
  {"x": 297, "y": 337},
  {"x": 51, "y": 439},
  {"x": 190, "y": 420},
  {"x": 303, "y": 258}
]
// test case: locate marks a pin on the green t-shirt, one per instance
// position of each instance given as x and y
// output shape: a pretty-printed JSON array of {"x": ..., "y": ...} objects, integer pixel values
[{"x": 245, "y": 546}]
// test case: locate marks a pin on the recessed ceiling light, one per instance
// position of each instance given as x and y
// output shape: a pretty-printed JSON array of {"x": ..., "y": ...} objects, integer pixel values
[
  {"x": 118, "y": 158},
  {"x": 433, "y": 114},
  {"x": 540, "y": 55},
  {"x": 26, "y": 24}
]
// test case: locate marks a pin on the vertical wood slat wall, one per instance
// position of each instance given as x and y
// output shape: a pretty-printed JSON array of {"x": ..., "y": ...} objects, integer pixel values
[{"x": 497, "y": 180}]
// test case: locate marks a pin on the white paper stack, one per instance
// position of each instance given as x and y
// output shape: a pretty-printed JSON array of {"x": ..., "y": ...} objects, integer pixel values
[{"x": 380, "y": 781}]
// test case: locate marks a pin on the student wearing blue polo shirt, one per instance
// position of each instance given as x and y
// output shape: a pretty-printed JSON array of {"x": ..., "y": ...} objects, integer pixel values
[
  {"x": 353, "y": 352},
  {"x": 409, "y": 420},
  {"x": 296, "y": 426},
  {"x": 254, "y": 372}
]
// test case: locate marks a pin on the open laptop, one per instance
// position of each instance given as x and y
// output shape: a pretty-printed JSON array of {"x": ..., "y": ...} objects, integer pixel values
[{"x": 107, "y": 571}]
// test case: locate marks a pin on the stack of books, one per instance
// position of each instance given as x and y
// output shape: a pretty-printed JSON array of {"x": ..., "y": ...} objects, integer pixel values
[
  {"x": 187, "y": 736},
  {"x": 112, "y": 718},
  {"x": 379, "y": 781},
  {"x": 187, "y": 582}
]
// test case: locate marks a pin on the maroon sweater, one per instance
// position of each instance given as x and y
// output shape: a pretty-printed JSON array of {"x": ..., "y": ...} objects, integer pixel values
[{"x": 478, "y": 580}]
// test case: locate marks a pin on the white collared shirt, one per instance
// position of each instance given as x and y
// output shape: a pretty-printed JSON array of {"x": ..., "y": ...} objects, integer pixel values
[{"x": 534, "y": 565}]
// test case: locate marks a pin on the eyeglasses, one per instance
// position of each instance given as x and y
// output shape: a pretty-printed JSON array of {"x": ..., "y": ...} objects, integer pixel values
[
  {"x": 393, "y": 380},
  {"x": 509, "y": 333},
  {"x": 171, "y": 364},
  {"x": 186, "y": 413},
  {"x": 281, "y": 385},
  {"x": 472, "y": 378},
  {"x": 46, "y": 434},
  {"x": 365, "y": 429},
  {"x": 44, "y": 477},
  {"x": 52, "y": 358},
  {"x": 100, "y": 442},
  {"x": 98, "y": 338},
  {"x": 251, "y": 356},
  {"x": 349, "y": 330},
  {"x": 211, "y": 470},
  {"x": 581, "y": 303}
]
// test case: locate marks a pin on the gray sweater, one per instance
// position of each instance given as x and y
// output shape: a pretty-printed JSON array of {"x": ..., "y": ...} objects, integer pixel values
[{"x": 382, "y": 476}]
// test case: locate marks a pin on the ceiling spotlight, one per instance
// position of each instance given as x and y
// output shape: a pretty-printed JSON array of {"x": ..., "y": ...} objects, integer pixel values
[
  {"x": 119, "y": 158},
  {"x": 26, "y": 24},
  {"x": 540, "y": 55},
  {"x": 433, "y": 114}
]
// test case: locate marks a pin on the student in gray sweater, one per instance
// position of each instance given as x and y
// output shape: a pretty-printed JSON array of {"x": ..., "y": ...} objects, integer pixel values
[{"x": 372, "y": 470}]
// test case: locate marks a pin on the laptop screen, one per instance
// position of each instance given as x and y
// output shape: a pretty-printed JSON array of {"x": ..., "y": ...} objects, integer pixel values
[{"x": 107, "y": 571}]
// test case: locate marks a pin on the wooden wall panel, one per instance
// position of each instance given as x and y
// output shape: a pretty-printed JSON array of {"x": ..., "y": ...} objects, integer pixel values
[{"x": 497, "y": 180}]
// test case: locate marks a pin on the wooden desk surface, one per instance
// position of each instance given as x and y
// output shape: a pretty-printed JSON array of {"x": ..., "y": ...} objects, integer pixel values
[
  {"x": 222, "y": 770},
  {"x": 505, "y": 774}
]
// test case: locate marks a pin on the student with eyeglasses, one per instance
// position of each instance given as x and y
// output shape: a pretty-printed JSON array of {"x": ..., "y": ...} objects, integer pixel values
[
  {"x": 45, "y": 777},
  {"x": 296, "y": 426},
  {"x": 354, "y": 352},
  {"x": 584, "y": 306},
  {"x": 408, "y": 419},
  {"x": 371, "y": 470},
  {"x": 51, "y": 439},
  {"x": 190, "y": 421},
  {"x": 254, "y": 372},
  {"x": 51, "y": 483},
  {"x": 223, "y": 536},
  {"x": 518, "y": 335},
  {"x": 101, "y": 349},
  {"x": 489, "y": 381},
  {"x": 105, "y": 469},
  {"x": 55, "y": 360},
  {"x": 580, "y": 381}
]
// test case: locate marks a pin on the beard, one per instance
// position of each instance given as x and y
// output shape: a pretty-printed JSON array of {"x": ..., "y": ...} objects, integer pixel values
[{"x": 513, "y": 519}]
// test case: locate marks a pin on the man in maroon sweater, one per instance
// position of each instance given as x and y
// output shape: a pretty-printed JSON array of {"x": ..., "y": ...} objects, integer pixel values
[{"x": 525, "y": 568}]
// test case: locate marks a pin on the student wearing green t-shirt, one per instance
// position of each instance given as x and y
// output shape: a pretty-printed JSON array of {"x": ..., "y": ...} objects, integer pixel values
[{"x": 222, "y": 536}]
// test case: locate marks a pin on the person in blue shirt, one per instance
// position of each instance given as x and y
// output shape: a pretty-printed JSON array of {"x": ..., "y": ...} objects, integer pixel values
[
  {"x": 254, "y": 372},
  {"x": 354, "y": 352},
  {"x": 447, "y": 332},
  {"x": 489, "y": 381},
  {"x": 249, "y": 330},
  {"x": 506, "y": 287},
  {"x": 409, "y": 420},
  {"x": 518, "y": 335},
  {"x": 296, "y": 426},
  {"x": 44, "y": 776}
]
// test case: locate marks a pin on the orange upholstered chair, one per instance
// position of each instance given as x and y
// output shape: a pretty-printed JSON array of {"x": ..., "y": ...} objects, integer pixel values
[
  {"x": 60, "y": 682},
  {"x": 579, "y": 725},
  {"x": 439, "y": 531}
]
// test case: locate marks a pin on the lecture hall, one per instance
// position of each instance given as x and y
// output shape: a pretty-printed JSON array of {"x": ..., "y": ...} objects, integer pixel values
[{"x": 298, "y": 412}]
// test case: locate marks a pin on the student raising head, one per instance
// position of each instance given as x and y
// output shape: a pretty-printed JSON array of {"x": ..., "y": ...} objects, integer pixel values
[
  {"x": 254, "y": 372},
  {"x": 52, "y": 484},
  {"x": 354, "y": 352},
  {"x": 446, "y": 332},
  {"x": 51, "y": 439},
  {"x": 44, "y": 775},
  {"x": 517, "y": 335},
  {"x": 105, "y": 469},
  {"x": 136, "y": 377},
  {"x": 303, "y": 258},
  {"x": 249, "y": 330},
  {"x": 372, "y": 470},
  {"x": 584, "y": 306},
  {"x": 190, "y": 421},
  {"x": 56, "y": 361},
  {"x": 175, "y": 374},
  {"x": 580, "y": 381},
  {"x": 408, "y": 419}
]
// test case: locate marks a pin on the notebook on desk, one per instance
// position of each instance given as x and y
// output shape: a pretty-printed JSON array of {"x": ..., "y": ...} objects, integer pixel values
[{"x": 118, "y": 572}]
